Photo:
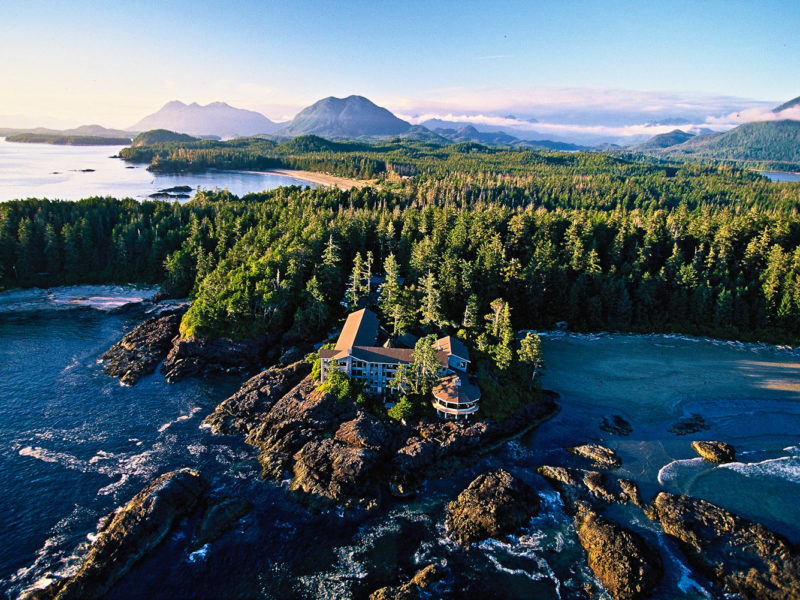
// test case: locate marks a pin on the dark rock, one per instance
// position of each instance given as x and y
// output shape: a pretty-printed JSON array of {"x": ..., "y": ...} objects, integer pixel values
[
  {"x": 291, "y": 355},
  {"x": 600, "y": 456},
  {"x": 129, "y": 534},
  {"x": 716, "y": 452},
  {"x": 169, "y": 292},
  {"x": 328, "y": 473},
  {"x": 494, "y": 504},
  {"x": 616, "y": 425},
  {"x": 240, "y": 412},
  {"x": 423, "y": 582},
  {"x": 139, "y": 352},
  {"x": 744, "y": 557},
  {"x": 366, "y": 431},
  {"x": 218, "y": 518},
  {"x": 580, "y": 489},
  {"x": 622, "y": 560},
  {"x": 196, "y": 356},
  {"x": 690, "y": 424}
]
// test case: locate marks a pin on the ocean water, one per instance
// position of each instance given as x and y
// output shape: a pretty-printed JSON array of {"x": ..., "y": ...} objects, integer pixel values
[
  {"x": 74, "y": 444},
  {"x": 58, "y": 173},
  {"x": 781, "y": 175}
]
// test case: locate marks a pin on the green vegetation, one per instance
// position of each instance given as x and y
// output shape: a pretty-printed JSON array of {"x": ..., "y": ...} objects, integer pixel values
[
  {"x": 160, "y": 136},
  {"x": 486, "y": 242},
  {"x": 68, "y": 140},
  {"x": 763, "y": 144}
]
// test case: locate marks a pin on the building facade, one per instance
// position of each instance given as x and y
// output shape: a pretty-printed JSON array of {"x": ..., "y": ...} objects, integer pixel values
[{"x": 357, "y": 356}]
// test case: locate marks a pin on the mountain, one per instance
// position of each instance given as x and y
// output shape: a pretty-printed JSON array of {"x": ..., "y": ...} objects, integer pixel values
[
  {"x": 216, "y": 118},
  {"x": 776, "y": 142},
  {"x": 665, "y": 140},
  {"x": 468, "y": 133},
  {"x": 82, "y": 131},
  {"x": 160, "y": 136},
  {"x": 790, "y": 104},
  {"x": 350, "y": 117}
]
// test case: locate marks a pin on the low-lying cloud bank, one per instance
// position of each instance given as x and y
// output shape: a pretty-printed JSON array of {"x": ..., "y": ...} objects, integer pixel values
[{"x": 587, "y": 116}]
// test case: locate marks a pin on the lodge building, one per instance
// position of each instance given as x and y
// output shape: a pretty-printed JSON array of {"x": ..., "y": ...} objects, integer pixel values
[{"x": 358, "y": 356}]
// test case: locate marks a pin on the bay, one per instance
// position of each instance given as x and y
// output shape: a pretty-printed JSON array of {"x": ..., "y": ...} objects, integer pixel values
[
  {"x": 75, "y": 172},
  {"x": 781, "y": 175}
]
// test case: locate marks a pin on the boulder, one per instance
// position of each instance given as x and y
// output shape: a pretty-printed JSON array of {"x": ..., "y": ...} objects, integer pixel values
[
  {"x": 419, "y": 586},
  {"x": 197, "y": 356},
  {"x": 580, "y": 489},
  {"x": 628, "y": 567},
  {"x": 716, "y": 452},
  {"x": 744, "y": 557},
  {"x": 616, "y": 425},
  {"x": 494, "y": 504},
  {"x": 240, "y": 412},
  {"x": 139, "y": 352},
  {"x": 366, "y": 431},
  {"x": 129, "y": 534},
  {"x": 691, "y": 424},
  {"x": 218, "y": 518},
  {"x": 600, "y": 456}
]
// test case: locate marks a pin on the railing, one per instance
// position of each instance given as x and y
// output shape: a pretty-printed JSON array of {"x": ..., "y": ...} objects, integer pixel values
[{"x": 468, "y": 410}]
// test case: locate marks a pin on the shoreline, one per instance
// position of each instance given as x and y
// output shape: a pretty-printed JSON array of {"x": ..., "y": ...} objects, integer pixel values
[{"x": 343, "y": 183}]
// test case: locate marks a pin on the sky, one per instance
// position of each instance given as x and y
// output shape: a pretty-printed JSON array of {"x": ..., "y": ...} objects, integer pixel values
[{"x": 577, "y": 64}]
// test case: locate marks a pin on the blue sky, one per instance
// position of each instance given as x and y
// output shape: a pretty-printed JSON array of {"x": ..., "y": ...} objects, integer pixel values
[{"x": 114, "y": 62}]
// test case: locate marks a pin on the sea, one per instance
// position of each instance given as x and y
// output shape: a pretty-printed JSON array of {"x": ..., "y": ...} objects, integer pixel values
[
  {"x": 75, "y": 172},
  {"x": 75, "y": 444},
  {"x": 781, "y": 175}
]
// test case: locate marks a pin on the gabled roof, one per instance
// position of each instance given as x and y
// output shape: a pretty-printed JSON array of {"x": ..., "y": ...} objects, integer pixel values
[
  {"x": 378, "y": 354},
  {"x": 452, "y": 346},
  {"x": 360, "y": 329}
]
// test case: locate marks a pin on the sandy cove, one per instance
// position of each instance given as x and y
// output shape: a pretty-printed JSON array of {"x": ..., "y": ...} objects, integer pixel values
[{"x": 320, "y": 178}]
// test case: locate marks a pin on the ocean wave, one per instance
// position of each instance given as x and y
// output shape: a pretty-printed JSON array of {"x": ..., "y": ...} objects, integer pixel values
[
  {"x": 786, "y": 467},
  {"x": 99, "y": 297},
  {"x": 198, "y": 555},
  {"x": 669, "y": 472},
  {"x": 192, "y": 412}
]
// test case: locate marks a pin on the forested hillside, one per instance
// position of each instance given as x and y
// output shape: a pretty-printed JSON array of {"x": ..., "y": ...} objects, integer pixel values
[{"x": 597, "y": 241}]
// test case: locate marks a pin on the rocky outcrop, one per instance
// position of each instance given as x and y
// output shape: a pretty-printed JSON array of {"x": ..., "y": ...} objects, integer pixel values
[
  {"x": 197, "y": 356},
  {"x": 129, "y": 534},
  {"x": 494, "y": 504},
  {"x": 628, "y": 567},
  {"x": 327, "y": 473},
  {"x": 336, "y": 454},
  {"x": 716, "y": 452},
  {"x": 139, "y": 352},
  {"x": 419, "y": 586},
  {"x": 600, "y": 456},
  {"x": 744, "y": 557},
  {"x": 691, "y": 424},
  {"x": 240, "y": 412},
  {"x": 439, "y": 446},
  {"x": 218, "y": 518},
  {"x": 580, "y": 489},
  {"x": 616, "y": 425}
]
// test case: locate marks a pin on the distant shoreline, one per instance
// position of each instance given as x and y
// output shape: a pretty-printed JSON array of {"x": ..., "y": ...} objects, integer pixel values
[{"x": 342, "y": 183}]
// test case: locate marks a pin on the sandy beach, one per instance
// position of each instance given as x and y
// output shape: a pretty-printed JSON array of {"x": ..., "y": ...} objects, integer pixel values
[{"x": 320, "y": 178}]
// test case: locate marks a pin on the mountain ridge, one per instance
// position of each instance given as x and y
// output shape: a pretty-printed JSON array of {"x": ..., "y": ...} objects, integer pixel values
[{"x": 217, "y": 118}]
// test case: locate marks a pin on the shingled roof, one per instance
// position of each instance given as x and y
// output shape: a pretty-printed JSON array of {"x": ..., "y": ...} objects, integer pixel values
[{"x": 360, "y": 329}]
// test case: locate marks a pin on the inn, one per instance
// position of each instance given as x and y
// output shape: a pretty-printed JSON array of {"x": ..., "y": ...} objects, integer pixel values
[{"x": 358, "y": 356}]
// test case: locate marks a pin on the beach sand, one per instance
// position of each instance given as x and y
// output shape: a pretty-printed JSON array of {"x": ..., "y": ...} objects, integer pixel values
[{"x": 321, "y": 178}]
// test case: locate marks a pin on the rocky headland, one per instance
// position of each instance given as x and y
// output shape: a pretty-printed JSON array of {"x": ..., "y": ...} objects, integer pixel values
[{"x": 337, "y": 454}]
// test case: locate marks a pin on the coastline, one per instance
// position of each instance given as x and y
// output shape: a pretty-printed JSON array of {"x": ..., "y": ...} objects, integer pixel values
[{"x": 342, "y": 183}]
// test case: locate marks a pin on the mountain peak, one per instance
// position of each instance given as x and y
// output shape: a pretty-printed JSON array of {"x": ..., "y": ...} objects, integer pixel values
[
  {"x": 350, "y": 117},
  {"x": 217, "y": 118}
]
